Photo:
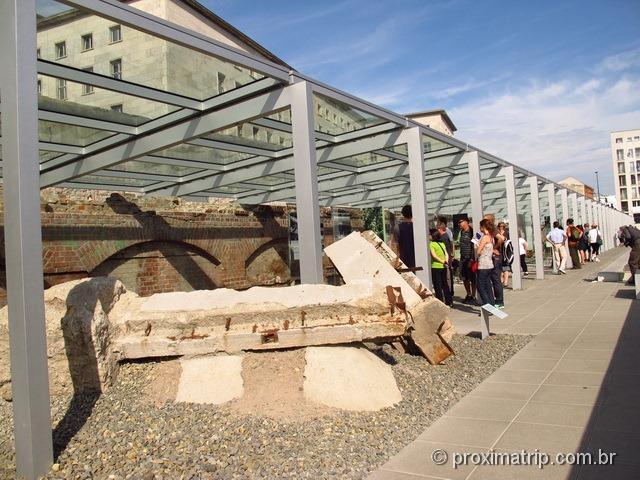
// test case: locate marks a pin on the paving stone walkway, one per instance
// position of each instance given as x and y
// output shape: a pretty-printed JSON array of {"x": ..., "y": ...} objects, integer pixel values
[{"x": 574, "y": 388}]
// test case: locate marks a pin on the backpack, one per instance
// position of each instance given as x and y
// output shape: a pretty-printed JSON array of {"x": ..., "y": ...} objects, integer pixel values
[
  {"x": 507, "y": 252},
  {"x": 577, "y": 234}
]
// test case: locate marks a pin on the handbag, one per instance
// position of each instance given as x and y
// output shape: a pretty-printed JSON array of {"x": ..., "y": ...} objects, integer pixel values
[
  {"x": 473, "y": 266},
  {"x": 599, "y": 240}
]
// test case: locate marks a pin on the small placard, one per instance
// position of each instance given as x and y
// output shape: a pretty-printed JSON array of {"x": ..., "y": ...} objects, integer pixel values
[{"x": 494, "y": 311}]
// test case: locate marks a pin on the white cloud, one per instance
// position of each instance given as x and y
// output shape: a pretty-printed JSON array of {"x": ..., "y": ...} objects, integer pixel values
[
  {"x": 620, "y": 61},
  {"x": 556, "y": 129}
]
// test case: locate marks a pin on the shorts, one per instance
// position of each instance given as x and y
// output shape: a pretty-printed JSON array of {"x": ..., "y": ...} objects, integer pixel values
[
  {"x": 465, "y": 270},
  {"x": 506, "y": 268}
]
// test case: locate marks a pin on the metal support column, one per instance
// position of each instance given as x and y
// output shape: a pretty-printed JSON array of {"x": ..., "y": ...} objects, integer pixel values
[
  {"x": 23, "y": 240},
  {"x": 565, "y": 215},
  {"x": 306, "y": 175},
  {"x": 514, "y": 227},
  {"x": 475, "y": 188},
  {"x": 537, "y": 227},
  {"x": 553, "y": 216},
  {"x": 418, "y": 185},
  {"x": 574, "y": 209},
  {"x": 588, "y": 206}
]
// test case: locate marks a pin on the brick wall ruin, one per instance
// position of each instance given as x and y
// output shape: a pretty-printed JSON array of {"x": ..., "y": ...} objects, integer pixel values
[{"x": 163, "y": 244}]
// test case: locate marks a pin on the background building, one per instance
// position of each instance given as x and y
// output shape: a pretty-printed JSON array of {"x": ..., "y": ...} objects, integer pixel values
[
  {"x": 436, "y": 119},
  {"x": 576, "y": 185},
  {"x": 625, "y": 156}
]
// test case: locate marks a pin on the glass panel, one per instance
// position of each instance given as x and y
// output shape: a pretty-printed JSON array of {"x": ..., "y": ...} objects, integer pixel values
[
  {"x": 201, "y": 154},
  {"x": 432, "y": 144},
  {"x": 76, "y": 99},
  {"x": 54, "y": 132},
  {"x": 145, "y": 59},
  {"x": 46, "y": 155},
  {"x": 228, "y": 190},
  {"x": 154, "y": 168},
  {"x": 258, "y": 136},
  {"x": 267, "y": 180},
  {"x": 364, "y": 160},
  {"x": 113, "y": 181},
  {"x": 335, "y": 118}
]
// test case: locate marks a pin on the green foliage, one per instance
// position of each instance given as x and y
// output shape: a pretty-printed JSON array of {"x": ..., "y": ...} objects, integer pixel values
[{"x": 373, "y": 220}]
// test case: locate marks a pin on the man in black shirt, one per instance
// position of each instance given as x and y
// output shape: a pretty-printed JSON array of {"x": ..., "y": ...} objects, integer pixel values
[
  {"x": 467, "y": 255},
  {"x": 402, "y": 242}
]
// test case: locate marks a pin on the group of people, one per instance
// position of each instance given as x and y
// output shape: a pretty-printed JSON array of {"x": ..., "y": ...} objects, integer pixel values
[
  {"x": 485, "y": 257},
  {"x": 583, "y": 242}
]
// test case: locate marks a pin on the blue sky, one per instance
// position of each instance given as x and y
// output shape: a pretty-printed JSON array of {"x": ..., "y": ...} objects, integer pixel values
[{"x": 539, "y": 83}]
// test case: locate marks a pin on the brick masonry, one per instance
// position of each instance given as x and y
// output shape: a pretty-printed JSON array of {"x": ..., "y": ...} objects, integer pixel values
[{"x": 161, "y": 244}]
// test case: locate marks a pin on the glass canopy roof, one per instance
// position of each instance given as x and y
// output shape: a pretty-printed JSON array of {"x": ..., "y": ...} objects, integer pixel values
[{"x": 124, "y": 105}]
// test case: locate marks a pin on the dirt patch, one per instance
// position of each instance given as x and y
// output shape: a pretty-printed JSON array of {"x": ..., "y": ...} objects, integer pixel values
[
  {"x": 163, "y": 378},
  {"x": 273, "y": 387}
]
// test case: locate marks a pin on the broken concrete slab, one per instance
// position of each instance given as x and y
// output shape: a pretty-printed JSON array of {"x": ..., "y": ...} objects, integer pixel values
[
  {"x": 363, "y": 255},
  {"x": 209, "y": 321},
  {"x": 211, "y": 379},
  {"x": 349, "y": 378},
  {"x": 79, "y": 336},
  {"x": 357, "y": 259}
]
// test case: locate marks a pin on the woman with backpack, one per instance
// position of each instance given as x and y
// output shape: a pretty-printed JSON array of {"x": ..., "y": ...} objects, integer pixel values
[{"x": 507, "y": 254}]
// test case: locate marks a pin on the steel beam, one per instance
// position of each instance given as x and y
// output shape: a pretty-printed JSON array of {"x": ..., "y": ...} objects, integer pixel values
[
  {"x": 419, "y": 204},
  {"x": 306, "y": 171},
  {"x": 537, "y": 227},
  {"x": 475, "y": 188},
  {"x": 23, "y": 240},
  {"x": 514, "y": 227}
]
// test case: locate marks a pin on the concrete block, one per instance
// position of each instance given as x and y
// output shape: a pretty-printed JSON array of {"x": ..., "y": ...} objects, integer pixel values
[
  {"x": 212, "y": 380},
  {"x": 350, "y": 378}
]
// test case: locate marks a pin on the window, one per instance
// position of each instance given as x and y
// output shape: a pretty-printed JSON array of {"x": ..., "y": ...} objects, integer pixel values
[
  {"x": 634, "y": 192},
  {"x": 623, "y": 193},
  {"x": 633, "y": 179},
  {"x": 61, "y": 50},
  {"x": 636, "y": 138},
  {"x": 115, "y": 67},
  {"x": 38, "y": 53},
  {"x": 220, "y": 80},
  {"x": 87, "y": 89},
  {"x": 620, "y": 167},
  {"x": 630, "y": 153},
  {"x": 115, "y": 34},
  {"x": 628, "y": 139},
  {"x": 237, "y": 84},
  {"x": 61, "y": 89},
  {"x": 636, "y": 203},
  {"x": 117, "y": 108},
  {"x": 622, "y": 180},
  {"x": 87, "y": 42},
  {"x": 619, "y": 140},
  {"x": 624, "y": 206},
  {"x": 620, "y": 154},
  {"x": 637, "y": 152},
  {"x": 39, "y": 87},
  {"x": 256, "y": 132},
  {"x": 632, "y": 167}
]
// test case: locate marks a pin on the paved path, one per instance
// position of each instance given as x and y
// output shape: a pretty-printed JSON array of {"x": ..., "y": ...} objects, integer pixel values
[{"x": 574, "y": 388}]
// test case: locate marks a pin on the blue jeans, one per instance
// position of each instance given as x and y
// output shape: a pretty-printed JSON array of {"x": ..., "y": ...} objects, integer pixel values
[
  {"x": 485, "y": 289},
  {"x": 496, "y": 281}
]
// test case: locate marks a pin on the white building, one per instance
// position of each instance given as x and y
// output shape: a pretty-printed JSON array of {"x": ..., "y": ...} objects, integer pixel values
[{"x": 625, "y": 155}]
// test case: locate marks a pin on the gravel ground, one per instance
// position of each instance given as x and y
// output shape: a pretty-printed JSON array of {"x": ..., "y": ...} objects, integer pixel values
[{"x": 118, "y": 436}]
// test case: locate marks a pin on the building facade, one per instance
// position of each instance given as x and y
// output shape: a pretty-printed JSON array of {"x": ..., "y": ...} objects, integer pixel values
[
  {"x": 625, "y": 154},
  {"x": 576, "y": 185}
]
